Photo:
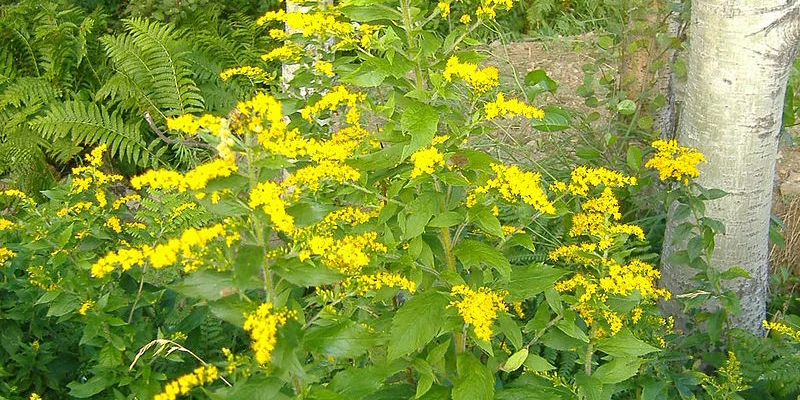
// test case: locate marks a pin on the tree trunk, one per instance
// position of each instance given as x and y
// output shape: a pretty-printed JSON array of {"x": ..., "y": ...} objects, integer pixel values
[{"x": 739, "y": 59}]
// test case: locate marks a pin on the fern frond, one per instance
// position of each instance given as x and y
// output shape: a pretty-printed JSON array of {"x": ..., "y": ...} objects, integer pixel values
[
  {"x": 89, "y": 123},
  {"x": 28, "y": 91}
]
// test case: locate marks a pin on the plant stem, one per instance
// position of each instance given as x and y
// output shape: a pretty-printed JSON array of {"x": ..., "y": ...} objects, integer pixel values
[
  {"x": 405, "y": 5},
  {"x": 138, "y": 294},
  {"x": 588, "y": 364}
]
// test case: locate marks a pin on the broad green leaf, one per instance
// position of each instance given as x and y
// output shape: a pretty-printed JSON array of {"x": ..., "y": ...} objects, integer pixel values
[
  {"x": 536, "y": 363},
  {"x": 515, "y": 361},
  {"x": 370, "y": 12},
  {"x": 555, "y": 119},
  {"x": 617, "y": 370},
  {"x": 348, "y": 339},
  {"x": 634, "y": 158},
  {"x": 446, "y": 219},
  {"x": 306, "y": 274},
  {"x": 510, "y": 328},
  {"x": 531, "y": 280},
  {"x": 93, "y": 386},
  {"x": 558, "y": 340},
  {"x": 208, "y": 285},
  {"x": 589, "y": 387},
  {"x": 538, "y": 82},
  {"x": 253, "y": 388},
  {"x": 626, "y": 107},
  {"x": 472, "y": 253},
  {"x": 572, "y": 330},
  {"x": 357, "y": 382},
  {"x": 474, "y": 381},
  {"x": 714, "y": 326},
  {"x": 735, "y": 272},
  {"x": 420, "y": 121},
  {"x": 63, "y": 305},
  {"x": 624, "y": 344},
  {"x": 489, "y": 223},
  {"x": 416, "y": 323},
  {"x": 226, "y": 207},
  {"x": 247, "y": 267}
]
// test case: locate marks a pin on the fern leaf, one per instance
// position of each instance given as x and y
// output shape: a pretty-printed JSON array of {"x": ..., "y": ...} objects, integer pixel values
[{"x": 89, "y": 123}]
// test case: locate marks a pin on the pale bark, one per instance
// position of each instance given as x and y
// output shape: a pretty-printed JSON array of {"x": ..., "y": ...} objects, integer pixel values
[{"x": 739, "y": 59}]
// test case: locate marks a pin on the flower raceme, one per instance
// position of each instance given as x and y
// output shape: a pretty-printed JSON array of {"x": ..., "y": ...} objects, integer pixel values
[
  {"x": 181, "y": 386},
  {"x": 478, "y": 308},
  {"x": 675, "y": 162},
  {"x": 513, "y": 184},
  {"x": 481, "y": 80},
  {"x": 263, "y": 328},
  {"x": 510, "y": 108}
]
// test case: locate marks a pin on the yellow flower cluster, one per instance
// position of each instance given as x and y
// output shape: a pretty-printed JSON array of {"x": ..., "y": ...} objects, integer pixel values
[
  {"x": 162, "y": 255},
  {"x": 584, "y": 178},
  {"x": 510, "y": 108},
  {"x": 488, "y": 8},
  {"x": 636, "y": 275},
  {"x": 114, "y": 224},
  {"x": 6, "y": 254},
  {"x": 478, "y": 308},
  {"x": 16, "y": 193},
  {"x": 84, "y": 177},
  {"x": 194, "y": 179},
  {"x": 263, "y": 327},
  {"x": 191, "y": 124},
  {"x": 444, "y": 8},
  {"x": 481, "y": 80},
  {"x": 255, "y": 73},
  {"x": 349, "y": 215},
  {"x": 268, "y": 196},
  {"x": 513, "y": 184},
  {"x": 574, "y": 253},
  {"x": 181, "y": 386},
  {"x": 596, "y": 220},
  {"x": 85, "y": 306},
  {"x": 287, "y": 52},
  {"x": 35, "y": 396},
  {"x": 76, "y": 208},
  {"x": 783, "y": 329},
  {"x": 337, "y": 96},
  {"x": 673, "y": 161},
  {"x": 465, "y": 19},
  {"x": 309, "y": 24},
  {"x": 323, "y": 67},
  {"x": 614, "y": 321},
  {"x": 124, "y": 200},
  {"x": 426, "y": 160},
  {"x": 311, "y": 176},
  {"x": 373, "y": 282},
  {"x": 347, "y": 255},
  {"x": 5, "y": 224}
]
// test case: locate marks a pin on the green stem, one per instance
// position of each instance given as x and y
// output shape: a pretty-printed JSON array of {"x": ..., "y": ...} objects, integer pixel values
[
  {"x": 405, "y": 5},
  {"x": 588, "y": 364},
  {"x": 251, "y": 172}
]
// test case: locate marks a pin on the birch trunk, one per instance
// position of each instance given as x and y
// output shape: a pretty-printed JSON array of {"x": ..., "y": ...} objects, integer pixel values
[{"x": 739, "y": 58}]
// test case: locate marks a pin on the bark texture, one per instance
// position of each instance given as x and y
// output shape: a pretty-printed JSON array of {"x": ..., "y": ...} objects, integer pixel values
[{"x": 739, "y": 59}]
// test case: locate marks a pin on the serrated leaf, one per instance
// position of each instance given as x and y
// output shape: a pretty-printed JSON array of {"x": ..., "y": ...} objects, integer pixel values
[
  {"x": 474, "y": 381},
  {"x": 446, "y": 219},
  {"x": 624, "y": 344},
  {"x": 344, "y": 340},
  {"x": 416, "y": 323},
  {"x": 531, "y": 280},
  {"x": 472, "y": 253},
  {"x": 421, "y": 121},
  {"x": 536, "y": 363},
  {"x": 555, "y": 119},
  {"x": 617, "y": 370}
]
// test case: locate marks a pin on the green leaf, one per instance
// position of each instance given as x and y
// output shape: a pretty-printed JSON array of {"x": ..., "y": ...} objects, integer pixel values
[
  {"x": 306, "y": 274},
  {"x": 510, "y": 329},
  {"x": 472, "y": 253},
  {"x": 713, "y": 194},
  {"x": 695, "y": 247},
  {"x": 714, "y": 326},
  {"x": 634, "y": 158},
  {"x": 372, "y": 11},
  {"x": 348, "y": 339},
  {"x": 416, "y": 323},
  {"x": 531, "y": 280},
  {"x": 357, "y": 382},
  {"x": 572, "y": 330},
  {"x": 624, "y": 344},
  {"x": 536, "y": 363},
  {"x": 538, "y": 82},
  {"x": 617, "y": 370},
  {"x": 253, "y": 388},
  {"x": 555, "y": 119},
  {"x": 589, "y": 387},
  {"x": 626, "y": 107},
  {"x": 93, "y": 386},
  {"x": 474, "y": 381},
  {"x": 63, "y": 305},
  {"x": 209, "y": 285},
  {"x": 730, "y": 302},
  {"x": 420, "y": 121},
  {"x": 247, "y": 267},
  {"x": 515, "y": 361},
  {"x": 446, "y": 219},
  {"x": 735, "y": 272},
  {"x": 489, "y": 223}
]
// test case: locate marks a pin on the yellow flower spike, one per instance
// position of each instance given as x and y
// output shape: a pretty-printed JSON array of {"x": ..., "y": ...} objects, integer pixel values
[
  {"x": 481, "y": 80},
  {"x": 510, "y": 108},
  {"x": 444, "y": 8},
  {"x": 5, "y": 224},
  {"x": 85, "y": 306},
  {"x": 374, "y": 282},
  {"x": 182, "y": 385},
  {"x": 263, "y": 328},
  {"x": 783, "y": 329},
  {"x": 6, "y": 254},
  {"x": 478, "y": 308},
  {"x": 465, "y": 19},
  {"x": 514, "y": 184},
  {"x": 584, "y": 178},
  {"x": 251, "y": 72},
  {"x": 426, "y": 160},
  {"x": 95, "y": 158},
  {"x": 323, "y": 67},
  {"x": 675, "y": 162},
  {"x": 268, "y": 196},
  {"x": 287, "y": 52}
]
